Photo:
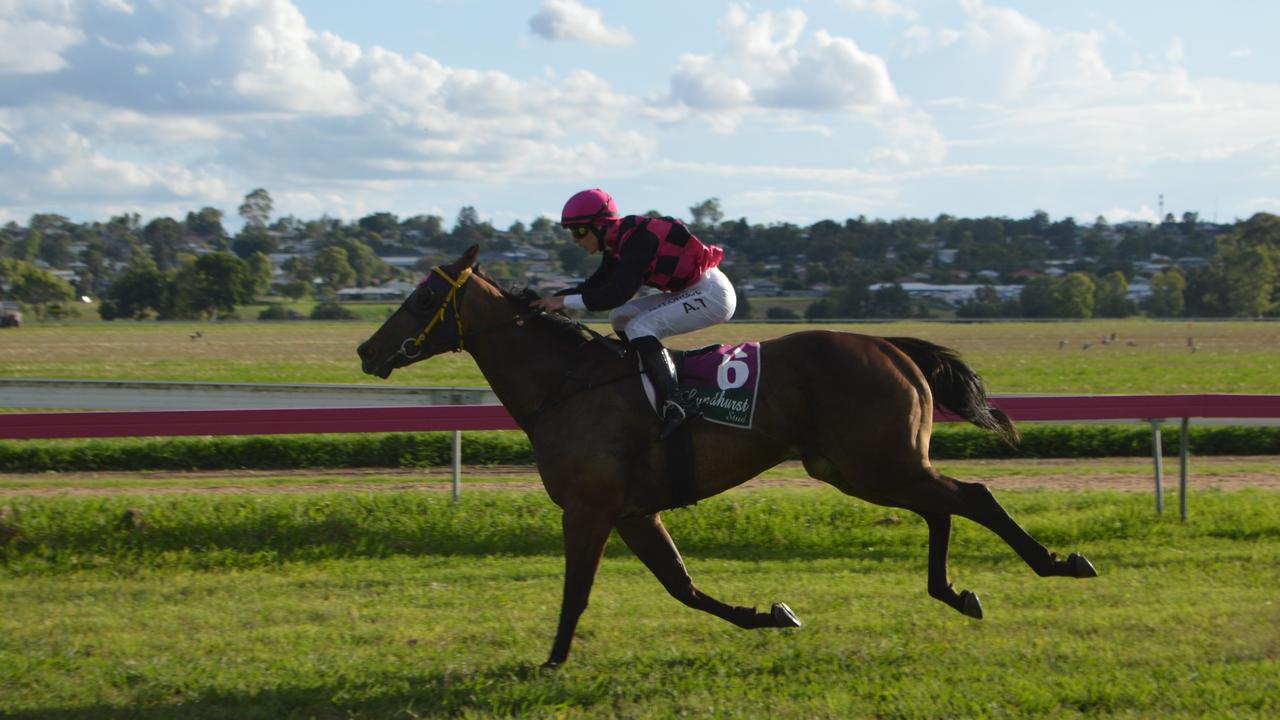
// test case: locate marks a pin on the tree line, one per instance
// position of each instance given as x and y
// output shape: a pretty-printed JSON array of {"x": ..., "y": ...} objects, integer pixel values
[{"x": 193, "y": 267}]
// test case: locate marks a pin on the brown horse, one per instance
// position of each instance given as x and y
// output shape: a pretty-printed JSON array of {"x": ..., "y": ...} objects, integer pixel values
[{"x": 857, "y": 410}]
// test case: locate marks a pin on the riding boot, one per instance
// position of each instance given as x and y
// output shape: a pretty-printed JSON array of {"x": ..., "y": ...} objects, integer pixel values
[{"x": 657, "y": 363}]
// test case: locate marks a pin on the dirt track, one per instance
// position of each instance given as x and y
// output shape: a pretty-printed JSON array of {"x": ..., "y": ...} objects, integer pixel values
[{"x": 1132, "y": 474}]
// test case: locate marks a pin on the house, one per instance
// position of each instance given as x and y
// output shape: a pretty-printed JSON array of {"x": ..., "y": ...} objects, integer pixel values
[
  {"x": 394, "y": 291},
  {"x": 762, "y": 287}
]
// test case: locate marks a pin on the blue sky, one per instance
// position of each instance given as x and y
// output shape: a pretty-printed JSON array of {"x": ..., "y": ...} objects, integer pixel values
[{"x": 785, "y": 111}]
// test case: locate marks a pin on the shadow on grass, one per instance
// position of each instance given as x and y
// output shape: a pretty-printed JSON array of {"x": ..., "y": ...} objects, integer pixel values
[{"x": 510, "y": 690}]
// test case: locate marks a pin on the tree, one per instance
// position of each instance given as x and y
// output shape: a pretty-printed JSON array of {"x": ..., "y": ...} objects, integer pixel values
[
  {"x": 890, "y": 301},
  {"x": 707, "y": 213},
  {"x": 32, "y": 285},
  {"x": 55, "y": 249},
  {"x": 363, "y": 261},
  {"x": 1075, "y": 296},
  {"x": 986, "y": 303},
  {"x": 253, "y": 239},
  {"x": 1250, "y": 275},
  {"x": 1113, "y": 297},
  {"x": 207, "y": 226},
  {"x": 1247, "y": 263},
  {"x": 256, "y": 208},
  {"x": 1167, "y": 294},
  {"x": 1039, "y": 297},
  {"x": 261, "y": 271},
  {"x": 139, "y": 288},
  {"x": 383, "y": 224},
  {"x": 222, "y": 282},
  {"x": 163, "y": 238},
  {"x": 333, "y": 269}
]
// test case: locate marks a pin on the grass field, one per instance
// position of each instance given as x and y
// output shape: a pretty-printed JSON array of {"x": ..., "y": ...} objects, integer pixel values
[
  {"x": 1014, "y": 357},
  {"x": 400, "y": 604}
]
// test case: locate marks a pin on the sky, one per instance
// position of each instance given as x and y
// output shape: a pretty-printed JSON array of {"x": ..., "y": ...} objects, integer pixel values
[{"x": 785, "y": 111}]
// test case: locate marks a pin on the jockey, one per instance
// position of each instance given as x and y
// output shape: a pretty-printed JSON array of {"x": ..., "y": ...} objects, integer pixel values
[{"x": 658, "y": 252}]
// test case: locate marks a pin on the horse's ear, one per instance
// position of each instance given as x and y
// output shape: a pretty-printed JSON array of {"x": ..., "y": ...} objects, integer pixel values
[{"x": 468, "y": 258}]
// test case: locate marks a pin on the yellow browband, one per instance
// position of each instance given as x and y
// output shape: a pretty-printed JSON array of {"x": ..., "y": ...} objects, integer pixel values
[{"x": 452, "y": 299}]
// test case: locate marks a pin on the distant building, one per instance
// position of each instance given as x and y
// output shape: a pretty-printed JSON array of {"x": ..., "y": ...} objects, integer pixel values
[
  {"x": 950, "y": 294},
  {"x": 393, "y": 291}
]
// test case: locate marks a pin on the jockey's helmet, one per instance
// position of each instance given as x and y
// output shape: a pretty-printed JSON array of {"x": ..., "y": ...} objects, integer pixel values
[{"x": 589, "y": 207}]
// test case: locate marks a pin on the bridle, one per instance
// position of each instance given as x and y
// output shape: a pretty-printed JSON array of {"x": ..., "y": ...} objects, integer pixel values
[
  {"x": 412, "y": 347},
  {"x": 452, "y": 300}
]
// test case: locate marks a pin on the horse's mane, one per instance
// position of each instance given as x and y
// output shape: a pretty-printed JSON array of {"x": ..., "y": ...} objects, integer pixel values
[{"x": 523, "y": 297}]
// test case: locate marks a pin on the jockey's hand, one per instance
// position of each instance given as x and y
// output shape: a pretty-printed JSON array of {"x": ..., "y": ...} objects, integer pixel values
[{"x": 550, "y": 303}]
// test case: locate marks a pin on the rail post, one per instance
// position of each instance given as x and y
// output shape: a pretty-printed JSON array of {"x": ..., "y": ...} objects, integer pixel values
[
  {"x": 457, "y": 465},
  {"x": 1157, "y": 458},
  {"x": 1182, "y": 468}
]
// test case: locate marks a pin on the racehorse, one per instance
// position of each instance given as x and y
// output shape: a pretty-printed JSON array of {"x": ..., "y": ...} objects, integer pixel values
[{"x": 856, "y": 409}]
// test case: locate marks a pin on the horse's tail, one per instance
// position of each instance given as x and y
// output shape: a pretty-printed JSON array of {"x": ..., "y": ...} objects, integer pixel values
[{"x": 956, "y": 386}]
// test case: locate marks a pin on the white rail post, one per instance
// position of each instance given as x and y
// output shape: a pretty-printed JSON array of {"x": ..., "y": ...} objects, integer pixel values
[
  {"x": 457, "y": 465},
  {"x": 1157, "y": 458},
  {"x": 1182, "y": 470}
]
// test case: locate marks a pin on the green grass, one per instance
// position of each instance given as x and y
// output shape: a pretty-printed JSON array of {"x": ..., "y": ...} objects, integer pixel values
[
  {"x": 1015, "y": 357},
  {"x": 402, "y": 605}
]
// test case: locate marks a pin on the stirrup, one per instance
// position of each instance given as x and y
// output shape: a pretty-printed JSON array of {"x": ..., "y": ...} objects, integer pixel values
[{"x": 673, "y": 416}]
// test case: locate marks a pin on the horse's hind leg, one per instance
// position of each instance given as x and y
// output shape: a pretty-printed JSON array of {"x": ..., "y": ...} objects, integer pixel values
[
  {"x": 939, "y": 582},
  {"x": 979, "y": 505},
  {"x": 937, "y": 497},
  {"x": 648, "y": 539}
]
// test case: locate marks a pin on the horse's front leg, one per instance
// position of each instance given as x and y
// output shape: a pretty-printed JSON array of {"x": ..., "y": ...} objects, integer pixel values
[
  {"x": 585, "y": 533},
  {"x": 648, "y": 539}
]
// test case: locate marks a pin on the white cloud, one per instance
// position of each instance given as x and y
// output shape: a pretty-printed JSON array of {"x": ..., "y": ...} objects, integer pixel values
[
  {"x": 919, "y": 39},
  {"x": 767, "y": 62},
  {"x": 832, "y": 73},
  {"x": 883, "y": 8},
  {"x": 35, "y": 35},
  {"x": 195, "y": 103},
  {"x": 700, "y": 83},
  {"x": 1144, "y": 213},
  {"x": 573, "y": 21}
]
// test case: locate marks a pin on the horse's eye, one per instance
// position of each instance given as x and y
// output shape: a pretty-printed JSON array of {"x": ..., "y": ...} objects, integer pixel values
[{"x": 423, "y": 299}]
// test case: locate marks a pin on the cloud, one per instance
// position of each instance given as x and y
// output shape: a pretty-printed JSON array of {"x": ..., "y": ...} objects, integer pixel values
[
  {"x": 919, "y": 39},
  {"x": 36, "y": 34},
  {"x": 1022, "y": 54},
  {"x": 571, "y": 20},
  {"x": 767, "y": 62},
  {"x": 832, "y": 73},
  {"x": 166, "y": 104},
  {"x": 883, "y": 8}
]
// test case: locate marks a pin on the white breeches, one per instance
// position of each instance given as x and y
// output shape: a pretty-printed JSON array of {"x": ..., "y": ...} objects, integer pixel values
[{"x": 709, "y": 301}]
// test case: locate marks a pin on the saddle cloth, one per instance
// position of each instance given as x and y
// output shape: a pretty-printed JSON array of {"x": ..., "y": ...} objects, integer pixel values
[{"x": 720, "y": 380}]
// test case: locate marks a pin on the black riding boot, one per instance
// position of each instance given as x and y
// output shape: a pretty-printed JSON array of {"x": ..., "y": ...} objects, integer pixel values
[{"x": 662, "y": 372}]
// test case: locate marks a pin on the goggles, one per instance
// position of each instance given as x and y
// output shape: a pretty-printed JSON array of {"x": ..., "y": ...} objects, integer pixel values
[{"x": 580, "y": 231}]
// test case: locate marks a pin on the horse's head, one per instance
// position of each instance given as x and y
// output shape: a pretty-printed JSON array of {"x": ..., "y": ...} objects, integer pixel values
[{"x": 428, "y": 323}]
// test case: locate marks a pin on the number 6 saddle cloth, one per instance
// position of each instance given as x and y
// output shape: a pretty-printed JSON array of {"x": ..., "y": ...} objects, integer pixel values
[{"x": 720, "y": 380}]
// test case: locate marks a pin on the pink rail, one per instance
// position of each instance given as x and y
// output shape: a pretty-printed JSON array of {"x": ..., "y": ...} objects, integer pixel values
[{"x": 145, "y": 423}]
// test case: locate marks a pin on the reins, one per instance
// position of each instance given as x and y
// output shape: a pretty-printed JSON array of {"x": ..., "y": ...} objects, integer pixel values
[{"x": 412, "y": 346}]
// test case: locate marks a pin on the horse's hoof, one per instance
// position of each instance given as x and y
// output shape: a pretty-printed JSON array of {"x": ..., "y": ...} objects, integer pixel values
[
  {"x": 550, "y": 665},
  {"x": 970, "y": 605},
  {"x": 783, "y": 617},
  {"x": 1080, "y": 566}
]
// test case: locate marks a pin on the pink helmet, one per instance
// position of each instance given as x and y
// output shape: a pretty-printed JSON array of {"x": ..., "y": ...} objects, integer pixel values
[{"x": 589, "y": 207}]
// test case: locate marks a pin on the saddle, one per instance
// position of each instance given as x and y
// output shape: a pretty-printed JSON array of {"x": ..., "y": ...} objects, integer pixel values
[{"x": 721, "y": 382}]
